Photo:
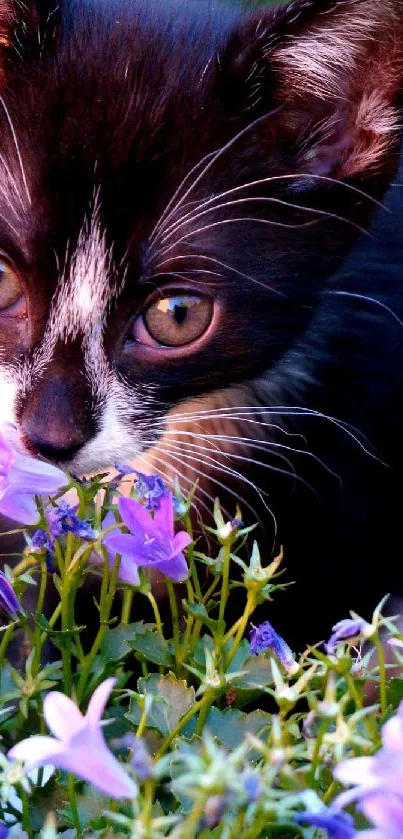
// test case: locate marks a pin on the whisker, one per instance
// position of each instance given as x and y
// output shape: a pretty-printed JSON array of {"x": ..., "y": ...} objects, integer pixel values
[
  {"x": 214, "y": 156},
  {"x": 13, "y": 182},
  {"x": 291, "y": 473},
  {"x": 242, "y": 220},
  {"x": 10, "y": 225},
  {"x": 209, "y": 461},
  {"x": 17, "y": 148},
  {"x": 368, "y": 300},
  {"x": 283, "y": 411},
  {"x": 218, "y": 262},
  {"x": 261, "y": 445},
  {"x": 262, "y": 200}
]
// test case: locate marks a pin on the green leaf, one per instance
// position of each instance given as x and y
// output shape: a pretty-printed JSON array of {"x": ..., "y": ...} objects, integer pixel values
[
  {"x": 258, "y": 674},
  {"x": 231, "y": 725},
  {"x": 153, "y": 647},
  {"x": 115, "y": 644},
  {"x": 198, "y": 611},
  {"x": 395, "y": 692},
  {"x": 172, "y": 699}
]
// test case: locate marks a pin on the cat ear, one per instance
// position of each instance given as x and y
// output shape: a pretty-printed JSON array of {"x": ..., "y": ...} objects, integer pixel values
[{"x": 334, "y": 69}]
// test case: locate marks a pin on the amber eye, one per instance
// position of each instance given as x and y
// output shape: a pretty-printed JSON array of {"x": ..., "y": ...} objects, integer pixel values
[
  {"x": 10, "y": 286},
  {"x": 178, "y": 319}
]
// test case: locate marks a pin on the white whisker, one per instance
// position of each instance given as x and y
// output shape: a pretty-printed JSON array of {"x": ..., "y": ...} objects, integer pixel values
[
  {"x": 17, "y": 148},
  {"x": 379, "y": 303}
]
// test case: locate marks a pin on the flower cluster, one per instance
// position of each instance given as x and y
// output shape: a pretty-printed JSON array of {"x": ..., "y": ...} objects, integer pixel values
[{"x": 142, "y": 725}]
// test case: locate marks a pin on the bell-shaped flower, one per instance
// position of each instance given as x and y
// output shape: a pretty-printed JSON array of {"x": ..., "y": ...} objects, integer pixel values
[
  {"x": 151, "y": 541},
  {"x": 78, "y": 744},
  {"x": 22, "y": 478}
]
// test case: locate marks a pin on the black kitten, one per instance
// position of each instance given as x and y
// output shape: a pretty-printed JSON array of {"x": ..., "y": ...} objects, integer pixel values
[{"x": 179, "y": 184}]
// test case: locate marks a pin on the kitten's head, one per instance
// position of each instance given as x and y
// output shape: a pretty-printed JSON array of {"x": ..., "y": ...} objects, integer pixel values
[{"x": 175, "y": 186}]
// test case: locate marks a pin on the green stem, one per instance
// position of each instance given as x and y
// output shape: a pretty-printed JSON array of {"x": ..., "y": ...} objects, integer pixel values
[
  {"x": 88, "y": 662},
  {"x": 175, "y": 617},
  {"x": 242, "y": 624},
  {"x": 66, "y": 654},
  {"x": 316, "y": 753},
  {"x": 126, "y": 606},
  {"x": 156, "y": 612},
  {"x": 382, "y": 673},
  {"x": 192, "y": 562},
  {"x": 38, "y": 612},
  {"x": 73, "y": 803},
  {"x": 26, "y": 821},
  {"x": 225, "y": 581}
]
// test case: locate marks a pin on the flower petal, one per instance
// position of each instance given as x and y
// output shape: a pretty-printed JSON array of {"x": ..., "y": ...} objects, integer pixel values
[
  {"x": 19, "y": 507},
  {"x": 383, "y": 810},
  {"x": 37, "y": 751},
  {"x": 392, "y": 733},
  {"x": 35, "y": 476},
  {"x": 128, "y": 571},
  {"x": 125, "y": 544},
  {"x": 137, "y": 518},
  {"x": 62, "y": 716},
  {"x": 175, "y": 568},
  {"x": 180, "y": 542},
  {"x": 98, "y": 702},
  {"x": 358, "y": 770},
  {"x": 90, "y": 758},
  {"x": 164, "y": 517}
]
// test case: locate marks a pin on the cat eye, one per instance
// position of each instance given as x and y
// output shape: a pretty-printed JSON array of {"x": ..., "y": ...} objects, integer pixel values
[
  {"x": 175, "y": 320},
  {"x": 10, "y": 286}
]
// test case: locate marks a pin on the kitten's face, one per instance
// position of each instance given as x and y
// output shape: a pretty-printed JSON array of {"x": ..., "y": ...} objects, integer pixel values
[{"x": 170, "y": 208}]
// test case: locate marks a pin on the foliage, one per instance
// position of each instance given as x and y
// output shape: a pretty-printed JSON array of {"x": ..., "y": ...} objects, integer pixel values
[{"x": 186, "y": 727}]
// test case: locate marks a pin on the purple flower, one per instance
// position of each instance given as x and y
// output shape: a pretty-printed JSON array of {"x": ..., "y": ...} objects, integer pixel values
[
  {"x": 128, "y": 572},
  {"x": 3, "y": 831},
  {"x": 78, "y": 745},
  {"x": 378, "y": 781},
  {"x": 252, "y": 785},
  {"x": 63, "y": 519},
  {"x": 9, "y": 602},
  {"x": 151, "y": 541},
  {"x": 264, "y": 637},
  {"x": 345, "y": 630},
  {"x": 140, "y": 758},
  {"x": 22, "y": 478},
  {"x": 339, "y": 825},
  {"x": 152, "y": 489}
]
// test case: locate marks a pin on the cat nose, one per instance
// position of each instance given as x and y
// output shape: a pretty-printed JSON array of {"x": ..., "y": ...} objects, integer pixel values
[
  {"x": 55, "y": 422},
  {"x": 47, "y": 443},
  {"x": 50, "y": 449}
]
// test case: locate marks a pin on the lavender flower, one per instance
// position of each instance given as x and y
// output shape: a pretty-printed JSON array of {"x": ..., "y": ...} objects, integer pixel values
[
  {"x": 252, "y": 785},
  {"x": 78, "y": 745},
  {"x": 264, "y": 637},
  {"x": 140, "y": 758},
  {"x": 9, "y": 602},
  {"x": 345, "y": 630},
  {"x": 339, "y": 825},
  {"x": 42, "y": 543},
  {"x": 63, "y": 519},
  {"x": 378, "y": 781},
  {"x": 152, "y": 489},
  {"x": 151, "y": 541},
  {"x": 4, "y": 830},
  {"x": 22, "y": 478}
]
